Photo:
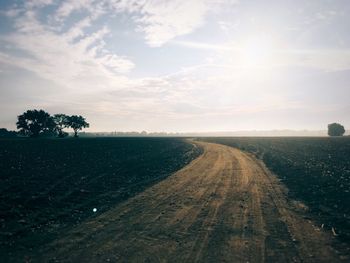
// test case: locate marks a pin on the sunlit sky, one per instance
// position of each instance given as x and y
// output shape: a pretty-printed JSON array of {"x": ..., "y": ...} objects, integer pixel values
[{"x": 176, "y": 65}]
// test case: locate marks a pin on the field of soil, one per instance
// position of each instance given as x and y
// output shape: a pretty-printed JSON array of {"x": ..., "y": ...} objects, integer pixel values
[
  {"x": 49, "y": 186},
  {"x": 316, "y": 171},
  {"x": 225, "y": 206}
]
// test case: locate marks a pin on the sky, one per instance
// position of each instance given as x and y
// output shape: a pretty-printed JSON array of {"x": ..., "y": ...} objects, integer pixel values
[{"x": 178, "y": 66}]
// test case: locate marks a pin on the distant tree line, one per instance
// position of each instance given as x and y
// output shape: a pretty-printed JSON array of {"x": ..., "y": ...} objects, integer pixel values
[
  {"x": 5, "y": 133},
  {"x": 35, "y": 123}
]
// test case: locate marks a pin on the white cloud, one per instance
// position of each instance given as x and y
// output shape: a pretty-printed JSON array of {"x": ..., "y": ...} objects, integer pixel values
[
  {"x": 322, "y": 58},
  {"x": 70, "y": 6},
  {"x": 77, "y": 30},
  {"x": 69, "y": 46},
  {"x": 161, "y": 21},
  {"x": 73, "y": 58},
  {"x": 38, "y": 3},
  {"x": 201, "y": 45},
  {"x": 116, "y": 63}
]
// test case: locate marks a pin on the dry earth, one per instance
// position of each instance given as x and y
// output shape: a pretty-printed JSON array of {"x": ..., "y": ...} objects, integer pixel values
[{"x": 225, "y": 206}]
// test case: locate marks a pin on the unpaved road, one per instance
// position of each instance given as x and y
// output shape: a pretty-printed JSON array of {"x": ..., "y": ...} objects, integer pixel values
[{"x": 223, "y": 207}]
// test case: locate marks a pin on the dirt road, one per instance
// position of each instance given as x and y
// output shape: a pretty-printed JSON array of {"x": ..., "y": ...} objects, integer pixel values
[{"x": 223, "y": 207}]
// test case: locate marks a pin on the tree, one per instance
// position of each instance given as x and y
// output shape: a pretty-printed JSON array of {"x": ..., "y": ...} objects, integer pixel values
[
  {"x": 4, "y": 133},
  {"x": 335, "y": 129},
  {"x": 35, "y": 122},
  {"x": 61, "y": 121},
  {"x": 77, "y": 123}
]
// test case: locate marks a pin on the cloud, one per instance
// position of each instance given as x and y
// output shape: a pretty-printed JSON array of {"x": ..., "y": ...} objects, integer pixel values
[
  {"x": 93, "y": 7},
  {"x": 321, "y": 58},
  {"x": 71, "y": 44},
  {"x": 68, "y": 7},
  {"x": 201, "y": 45},
  {"x": 37, "y": 3},
  {"x": 77, "y": 56},
  {"x": 71, "y": 58},
  {"x": 161, "y": 21}
]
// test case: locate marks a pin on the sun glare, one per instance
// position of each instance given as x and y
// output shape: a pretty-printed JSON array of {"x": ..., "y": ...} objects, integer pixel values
[{"x": 256, "y": 52}]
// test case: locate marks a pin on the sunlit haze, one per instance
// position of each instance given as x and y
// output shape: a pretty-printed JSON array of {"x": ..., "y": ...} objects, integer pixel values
[{"x": 178, "y": 66}]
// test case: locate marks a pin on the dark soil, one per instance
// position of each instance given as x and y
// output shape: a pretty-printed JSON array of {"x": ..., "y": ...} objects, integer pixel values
[
  {"x": 50, "y": 185},
  {"x": 315, "y": 170}
]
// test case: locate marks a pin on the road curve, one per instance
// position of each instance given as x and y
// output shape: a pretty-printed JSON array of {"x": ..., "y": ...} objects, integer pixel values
[{"x": 224, "y": 206}]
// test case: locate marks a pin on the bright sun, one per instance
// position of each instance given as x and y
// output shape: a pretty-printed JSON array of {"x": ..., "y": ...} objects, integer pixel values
[{"x": 256, "y": 52}]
